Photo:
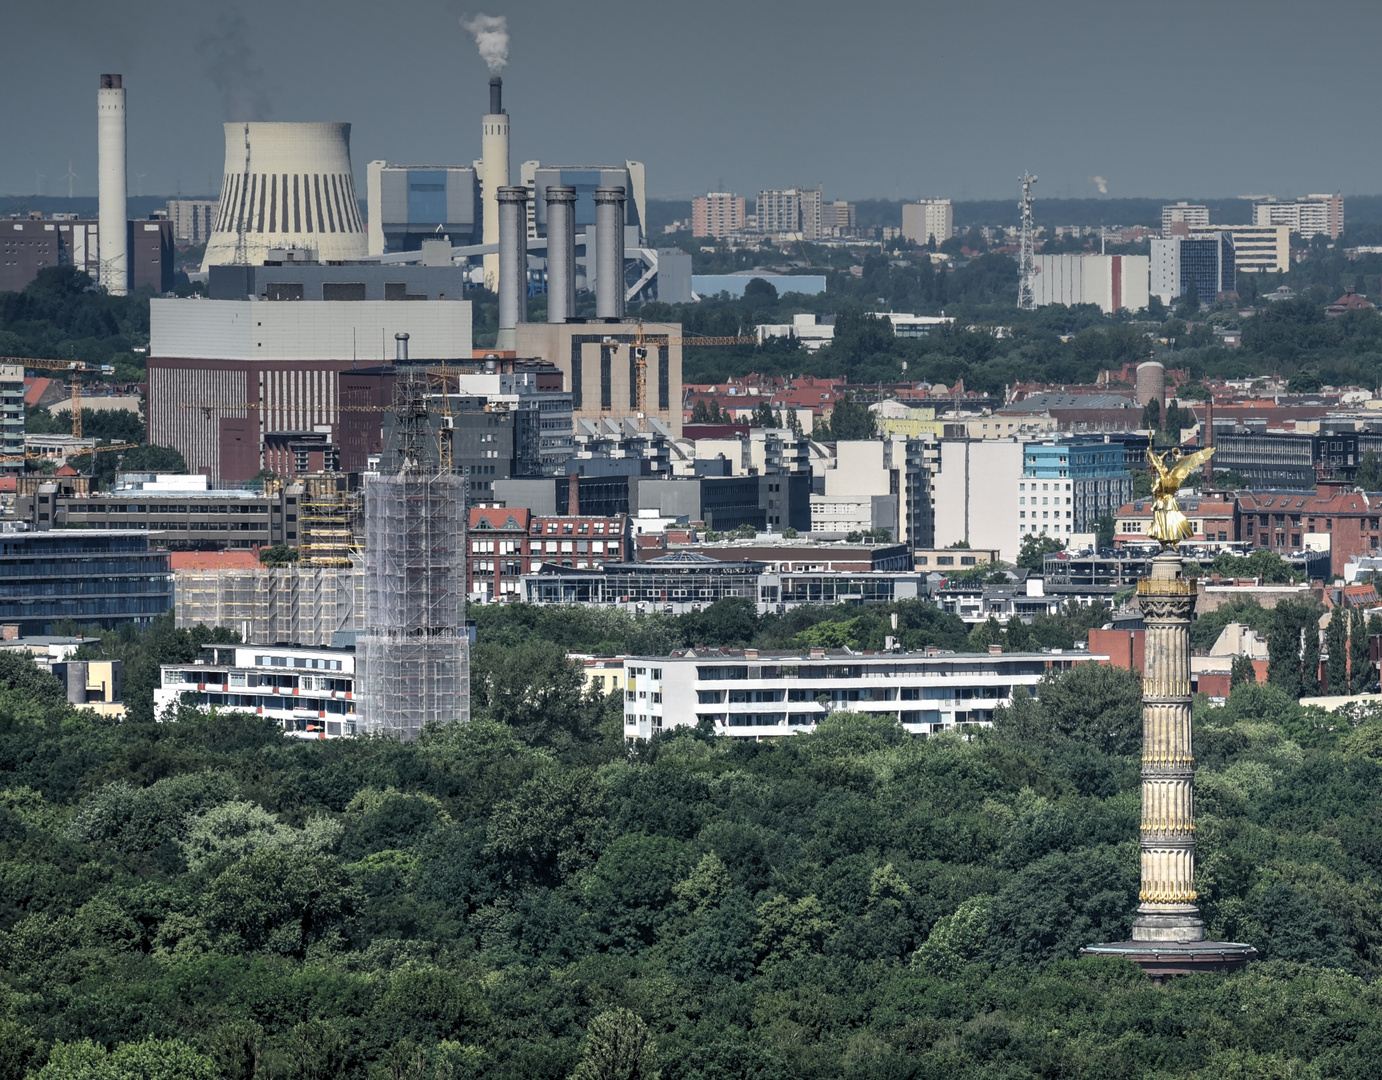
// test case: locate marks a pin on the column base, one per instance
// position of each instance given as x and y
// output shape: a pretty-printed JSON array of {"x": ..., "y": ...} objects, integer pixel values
[
  {"x": 1160, "y": 960},
  {"x": 1168, "y": 923}
]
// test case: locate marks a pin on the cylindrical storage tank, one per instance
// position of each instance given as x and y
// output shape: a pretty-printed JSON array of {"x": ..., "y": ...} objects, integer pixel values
[
  {"x": 1151, "y": 383},
  {"x": 609, "y": 252},
  {"x": 112, "y": 223},
  {"x": 286, "y": 186},
  {"x": 513, "y": 261},
  {"x": 561, "y": 253}
]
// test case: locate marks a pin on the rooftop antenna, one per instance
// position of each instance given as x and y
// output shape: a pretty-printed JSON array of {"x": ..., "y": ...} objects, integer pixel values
[{"x": 1026, "y": 265}]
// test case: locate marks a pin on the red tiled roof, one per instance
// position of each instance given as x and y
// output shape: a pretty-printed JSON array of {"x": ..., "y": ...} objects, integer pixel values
[
  {"x": 213, "y": 560},
  {"x": 499, "y": 517}
]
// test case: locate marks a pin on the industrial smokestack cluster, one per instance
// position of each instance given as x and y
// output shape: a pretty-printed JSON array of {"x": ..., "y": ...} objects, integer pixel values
[
  {"x": 609, "y": 257},
  {"x": 112, "y": 218},
  {"x": 561, "y": 253},
  {"x": 513, "y": 264}
]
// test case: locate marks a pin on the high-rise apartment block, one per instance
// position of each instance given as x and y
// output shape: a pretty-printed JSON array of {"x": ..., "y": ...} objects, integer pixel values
[
  {"x": 717, "y": 214},
  {"x": 928, "y": 218},
  {"x": 1309, "y": 215},
  {"x": 839, "y": 218},
  {"x": 1187, "y": 214},
  {"x": 794, "y": 210},
  {"x": 191, "y": 219},
  {"x": 1208, "y": 262},
  {"x": 12, "y": 416}
]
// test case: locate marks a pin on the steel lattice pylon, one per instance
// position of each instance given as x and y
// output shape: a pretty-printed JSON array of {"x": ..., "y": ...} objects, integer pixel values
[{"x": 1026, "y": 263}]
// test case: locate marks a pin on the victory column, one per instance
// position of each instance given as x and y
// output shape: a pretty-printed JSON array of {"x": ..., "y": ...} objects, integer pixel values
[{"x": 1168, "y": 934}]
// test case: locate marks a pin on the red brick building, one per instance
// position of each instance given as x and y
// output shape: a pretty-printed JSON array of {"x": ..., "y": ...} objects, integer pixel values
[
  {"x": 1280, "y": 522},
  {"x": 1211, "y": 516},
  {"x": 504, "y": 544}
]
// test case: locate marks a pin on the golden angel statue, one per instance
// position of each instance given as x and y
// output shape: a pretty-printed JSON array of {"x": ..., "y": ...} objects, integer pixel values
[{"x": 1169, "y": 525}]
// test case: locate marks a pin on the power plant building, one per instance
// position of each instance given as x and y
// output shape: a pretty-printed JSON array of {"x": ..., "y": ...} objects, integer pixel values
[
  {"x": 286, "y": 186},
  {"x": 408, "y": 204},
  {"x": 537, "y": 178},
  {"x": 225, "y": 376},
  {"x": 607, "y": 377}
]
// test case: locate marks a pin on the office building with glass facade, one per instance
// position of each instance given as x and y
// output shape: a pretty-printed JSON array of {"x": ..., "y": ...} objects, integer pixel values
[{"x": 90, "y": 576}]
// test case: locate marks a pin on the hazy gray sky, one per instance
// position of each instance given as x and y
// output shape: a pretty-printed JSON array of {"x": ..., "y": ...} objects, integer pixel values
[{"x": 872, "y": 98}]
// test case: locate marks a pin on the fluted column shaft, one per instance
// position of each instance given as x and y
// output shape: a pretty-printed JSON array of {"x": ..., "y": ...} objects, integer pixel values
[{"x": 1167, "y": 911}]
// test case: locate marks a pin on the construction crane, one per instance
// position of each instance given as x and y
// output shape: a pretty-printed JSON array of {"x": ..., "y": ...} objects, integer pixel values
[
  {"x": 76, "y": 367},
  {"x": 640, "y": 344},
  {"x": 79, "y": 453}
]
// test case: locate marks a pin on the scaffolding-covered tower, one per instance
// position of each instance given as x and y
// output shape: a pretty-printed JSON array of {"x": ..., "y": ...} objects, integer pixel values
[{"x": 414, "y": 654}]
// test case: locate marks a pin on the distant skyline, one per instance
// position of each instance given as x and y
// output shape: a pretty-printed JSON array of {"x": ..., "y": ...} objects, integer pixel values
[{"x": 879, "y": 99}]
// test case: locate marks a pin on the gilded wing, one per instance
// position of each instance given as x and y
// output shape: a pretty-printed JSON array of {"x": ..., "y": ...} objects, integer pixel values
[{"x": 1188, "y": 464}]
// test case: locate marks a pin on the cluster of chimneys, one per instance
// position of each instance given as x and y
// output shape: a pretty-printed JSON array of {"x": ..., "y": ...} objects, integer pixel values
[{"x": 561, "y": 249}]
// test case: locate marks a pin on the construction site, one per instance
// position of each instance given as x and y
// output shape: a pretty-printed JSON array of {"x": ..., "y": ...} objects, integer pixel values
[
  {"x": 414, "y": 654},
  {"x": 319, "y": 600}
]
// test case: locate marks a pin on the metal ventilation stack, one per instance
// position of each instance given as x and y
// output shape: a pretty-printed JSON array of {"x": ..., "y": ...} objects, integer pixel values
[{"x": 415, "y": 654}]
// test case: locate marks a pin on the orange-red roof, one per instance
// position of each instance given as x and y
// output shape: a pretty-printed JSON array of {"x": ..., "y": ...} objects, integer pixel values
[{"x": 213, "y": 560}]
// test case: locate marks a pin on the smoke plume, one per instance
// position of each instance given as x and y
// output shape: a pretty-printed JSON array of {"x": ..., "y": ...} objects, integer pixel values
[
  {"x": 491, "y": 33},
  {"x": 1100, "y": 183},
  {"x": 231, "y": 66}
]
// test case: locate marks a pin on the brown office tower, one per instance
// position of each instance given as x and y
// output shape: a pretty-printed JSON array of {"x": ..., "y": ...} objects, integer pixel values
[{"x": 1168, "y": 933}]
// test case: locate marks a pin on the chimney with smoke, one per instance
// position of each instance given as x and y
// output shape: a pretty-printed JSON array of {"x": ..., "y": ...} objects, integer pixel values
[{"x": 491, "y": 35}]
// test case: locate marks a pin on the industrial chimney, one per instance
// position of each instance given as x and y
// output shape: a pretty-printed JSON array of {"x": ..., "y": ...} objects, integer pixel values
[
  {"x": 113, "y": 219},
  {"x": 400, "y": 348},
  {"x": 494, "y": 165},
  {"x": 561, "y": 253},
  {"x": 609, "y": 248},
  {"x": 513, "y": 264}
]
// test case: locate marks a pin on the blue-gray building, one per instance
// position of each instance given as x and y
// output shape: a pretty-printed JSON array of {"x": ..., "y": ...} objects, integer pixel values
[
  {"x": 106, "y": 578},
  {"x": 1087, "y": 478},
  {"x": 411, "y": 203},
  {"x": 585, "y": 179}
]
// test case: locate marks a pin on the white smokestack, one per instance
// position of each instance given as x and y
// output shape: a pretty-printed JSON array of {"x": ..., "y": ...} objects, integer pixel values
[
  {"x": 113, "y": 217},
  {"x": 494, "y": 174},
  {"x": 491, "y": 34}
]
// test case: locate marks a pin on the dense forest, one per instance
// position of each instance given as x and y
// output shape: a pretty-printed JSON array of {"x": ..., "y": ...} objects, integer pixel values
[{"x": 527, "y": 896}]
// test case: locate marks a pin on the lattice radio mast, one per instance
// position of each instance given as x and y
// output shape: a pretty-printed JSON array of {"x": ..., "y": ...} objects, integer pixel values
[{"x": 1026, "y": 265}]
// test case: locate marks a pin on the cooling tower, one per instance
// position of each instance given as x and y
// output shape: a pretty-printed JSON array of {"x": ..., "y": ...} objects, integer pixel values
[
  {"x": 286, "y": 185},
  {"x": 110, "y": 148}
]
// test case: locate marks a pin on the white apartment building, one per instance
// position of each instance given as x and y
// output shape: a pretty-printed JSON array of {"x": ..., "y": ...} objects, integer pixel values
[
  {"x": 12, "y": 442},
  {"x": 1110, "y": 281},
  {"x": 1309, "y": 215},
  {"x": 1191, "y": 215},
  {"x": 975, "y": 494},
  {"x": 1053, "y": 500},
  {"x": 751, "y": 695},
  {"x": 309, "y": 692},
  {"x": 717, "y": 214},
  {"x": 926, "y": 218},
  {"x": 1257, "y": 249}
]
